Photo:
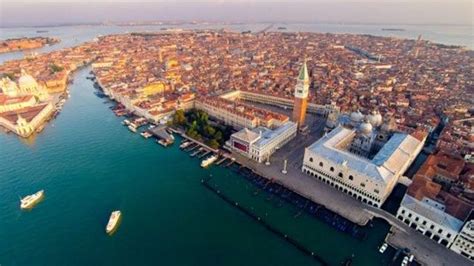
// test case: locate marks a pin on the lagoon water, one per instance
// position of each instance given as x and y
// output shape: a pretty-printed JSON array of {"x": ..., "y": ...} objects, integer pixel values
[{"x": 89, "y": 165}]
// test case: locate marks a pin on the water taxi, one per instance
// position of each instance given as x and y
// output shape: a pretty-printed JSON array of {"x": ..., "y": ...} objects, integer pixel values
[
  {"x": 30, "y": 201},
  {"x": 113, "y": 222},
  {"x": 383, "y": 248},
  {"x": 206, "y": 162}
]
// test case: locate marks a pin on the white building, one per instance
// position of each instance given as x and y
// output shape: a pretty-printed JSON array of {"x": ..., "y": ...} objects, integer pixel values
[
  {"x": 260, "y": 143},
  {"x": 371, "y": 179},
  {"x": 464, "y": 242},
  {"x": 429, "y": 218}
]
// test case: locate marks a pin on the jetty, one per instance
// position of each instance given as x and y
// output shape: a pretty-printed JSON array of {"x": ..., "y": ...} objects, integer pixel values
[
  {"x": 162, "y": 135},
  {"x": 204, "y": 154}
]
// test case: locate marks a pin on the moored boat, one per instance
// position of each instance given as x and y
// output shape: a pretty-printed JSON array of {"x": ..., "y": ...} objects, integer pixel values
[
  {"x": 206, "y": 162},
  {"x": 113, "y": 222},
  {"x": 30, "y": 201},
  {"x": 132, "y": 128},
  {"x": 383, "y": 248}
]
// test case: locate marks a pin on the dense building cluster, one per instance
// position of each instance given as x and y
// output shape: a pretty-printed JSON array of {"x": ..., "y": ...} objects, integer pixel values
[
  {"x": 440, "y": 202},
  {"x": 422, "y": 90},
  {"x": 19, "y": 44}
]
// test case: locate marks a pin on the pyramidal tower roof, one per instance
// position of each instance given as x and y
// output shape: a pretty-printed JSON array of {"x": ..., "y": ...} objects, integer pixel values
[{"x": 303, "y": 72}]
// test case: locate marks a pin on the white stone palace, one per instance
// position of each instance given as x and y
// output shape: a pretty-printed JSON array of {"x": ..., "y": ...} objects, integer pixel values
[{"x": 362, "y": 160}]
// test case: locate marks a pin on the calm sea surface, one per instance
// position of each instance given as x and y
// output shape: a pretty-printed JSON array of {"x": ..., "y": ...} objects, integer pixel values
[{"x": 89, "y": 164}]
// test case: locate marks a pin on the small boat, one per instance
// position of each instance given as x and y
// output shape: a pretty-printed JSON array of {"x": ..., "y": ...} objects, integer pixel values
[
  {"x": 185, "y": 144},
  {"x": 383, "y": 248},
  {"x": 146, "y": 134},
  {"x": 206, "y": 162},
  {"x": 113, "y": 222},
  {"x": 30, "y": 201},
  {"x": 405, "y": 261},
  {"x": 132, "y": 128}
]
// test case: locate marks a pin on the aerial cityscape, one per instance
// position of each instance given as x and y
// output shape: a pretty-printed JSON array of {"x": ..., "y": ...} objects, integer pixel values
[{"x": 181, "y": 142}]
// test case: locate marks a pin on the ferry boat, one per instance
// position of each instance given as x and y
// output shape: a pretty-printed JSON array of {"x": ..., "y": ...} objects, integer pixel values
[
  {"x": 113, "y": 222},
  {"x": 30, "y": 201},
  {"x": 383, "y": 248},
  {"x": 132, "y": 128},
  {"x": 208, "y": 161}
]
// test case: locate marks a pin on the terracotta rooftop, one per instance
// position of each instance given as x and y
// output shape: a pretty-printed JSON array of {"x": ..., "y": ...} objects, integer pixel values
[{"x": 27, "y": 113}]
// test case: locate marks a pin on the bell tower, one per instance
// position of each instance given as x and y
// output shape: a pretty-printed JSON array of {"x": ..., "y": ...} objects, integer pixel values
[{"x": 301, "y": 96}]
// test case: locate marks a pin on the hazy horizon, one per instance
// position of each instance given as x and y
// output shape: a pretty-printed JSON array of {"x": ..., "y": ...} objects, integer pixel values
[{"x": 44, "y": 13}]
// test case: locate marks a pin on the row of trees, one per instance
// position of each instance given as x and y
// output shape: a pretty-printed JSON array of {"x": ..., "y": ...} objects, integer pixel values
[{"x": 197, "y": 126}]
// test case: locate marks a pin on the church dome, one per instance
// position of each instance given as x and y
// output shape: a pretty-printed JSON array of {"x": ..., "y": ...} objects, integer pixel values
[
  {"x": 357, "y": 116},
  {"x": 375, "y": 118},
  {"x": 26, "y": 80},
  {"x": 365, "y": 128}
]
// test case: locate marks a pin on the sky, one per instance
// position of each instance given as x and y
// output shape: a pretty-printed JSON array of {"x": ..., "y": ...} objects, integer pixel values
[{"x": 53, "y": 12}]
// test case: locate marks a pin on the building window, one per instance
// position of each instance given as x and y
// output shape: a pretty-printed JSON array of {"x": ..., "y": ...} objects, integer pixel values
[
  {"x": 448, "y": 235},
  {"x": 432, "y": 227},
  {"x": 440, "y": 231},
  {"x": 311, "y": 159},
  {"x": 424, "y": 223},
  {"x": 377, "y": 191},
  {"x": 416, "y": 219},
  {"x": 340, "y": 175},
  {"x": 321, "y": 164},
  {"x": 362, "y": 184},
  {"x": 351, "y": 177},
  {"x": 332, "y": 169}
]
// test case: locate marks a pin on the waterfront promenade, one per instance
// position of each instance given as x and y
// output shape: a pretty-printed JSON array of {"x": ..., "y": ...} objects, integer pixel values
[{"x": 426, "y": 251}]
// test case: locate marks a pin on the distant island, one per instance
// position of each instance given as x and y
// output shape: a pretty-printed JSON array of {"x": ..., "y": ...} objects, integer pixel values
[
  {"x": 19, "y": 44},
  {"x": 393, "y": 29}
]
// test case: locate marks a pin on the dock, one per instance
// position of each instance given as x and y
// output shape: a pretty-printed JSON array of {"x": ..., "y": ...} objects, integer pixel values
[
  {"x": 193, "y": 146},
  {"x": 196, "y": 152},
  {"x": 204, "y": 154},
  {"x": 161, "y": 133},
  {"x": 221, "y": 160}
]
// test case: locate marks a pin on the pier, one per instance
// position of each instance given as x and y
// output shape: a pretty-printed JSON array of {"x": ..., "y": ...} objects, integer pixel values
[
  {"x": 204, "y": 154},
  {"x": 221, "y": 161}
]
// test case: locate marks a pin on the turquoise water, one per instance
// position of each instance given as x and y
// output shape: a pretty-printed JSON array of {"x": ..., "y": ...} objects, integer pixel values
[{"x": 89, "y": 165}]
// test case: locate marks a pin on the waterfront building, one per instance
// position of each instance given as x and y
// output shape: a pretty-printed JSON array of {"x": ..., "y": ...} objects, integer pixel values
[
  {"x": 360, "y": 163},
  {"x": 439, "y": 199},
  {"x": 14, "y": 103},
  {"x": 301, "y": 96},
  {"x": 261, "y": 142},
  {"x": 27, "y": 120},
  {"x": 464, "y": 242}
]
